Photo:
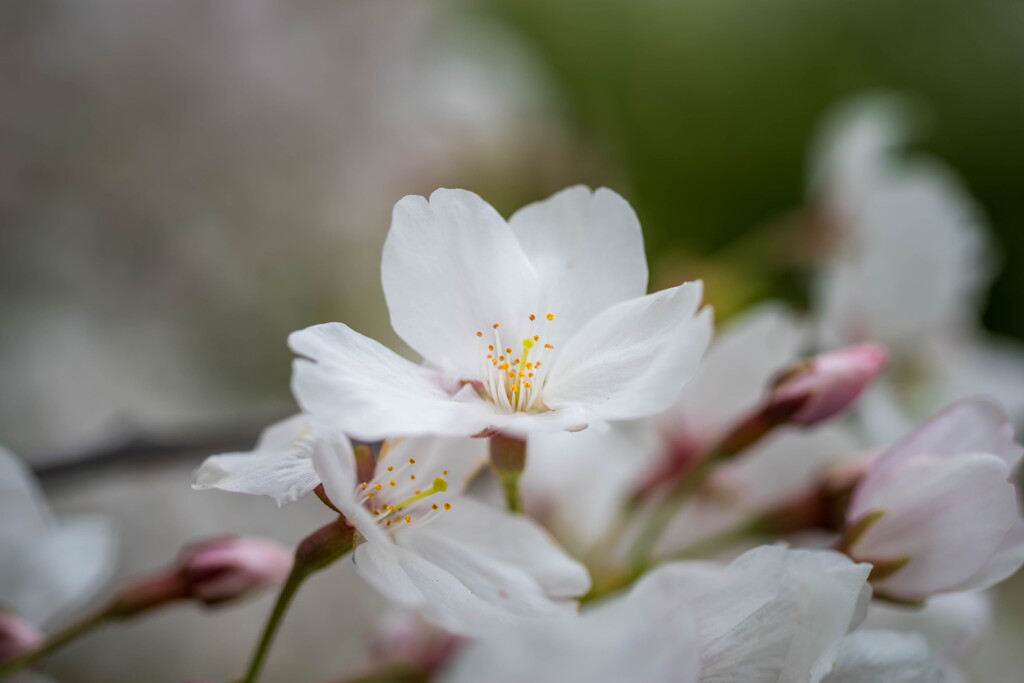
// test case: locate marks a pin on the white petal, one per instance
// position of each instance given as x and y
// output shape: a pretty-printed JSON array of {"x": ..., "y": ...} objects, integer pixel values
[
  {"x": 1008, "y": 558},
  {"x": 513, "y": 546},
  {"x": 352, "y": 383},
  {"x": 737, "y": 369},
  {"x": 410, "y": 580},
  {"x": 55, "y": 571},
  {"x": 335, "y": 464},
  {"x": 281, "y": 465},
  {"x": 646, "y": 637},
  {"x": 954, "y": 624},
  {"x": 820, "y": 596},
  {"x": 974, "y": 425},
  {"x": 632, "y": 359},
  {"x": 884, "y": 657},
  {"x": 452, "y": 267},
  {"x": 949, "y": 514},
  {"x": 588, "y": 252}
]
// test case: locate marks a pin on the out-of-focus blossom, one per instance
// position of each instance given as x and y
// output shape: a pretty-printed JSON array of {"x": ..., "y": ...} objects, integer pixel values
[
  {"x": 281, "y": 465},
  {"x": 460, "y": 563},
  {"x": 910, "y": 263},
  {"x": 884, "y": 657},
  {"x": 954, "y": 625},
  {"x": 238, "y": 172},
  {"x": 602, "y": 469},
  {"x": 772, "y": 615},
  {"x": 939, "y": 512},
  {"x": 16, "y": 636},
  {"x": 829, "y": 383},
  {"x": 213, "y": 571},
  {"x": 537, "y": 323},
  {"x": 47, "y": 566}
]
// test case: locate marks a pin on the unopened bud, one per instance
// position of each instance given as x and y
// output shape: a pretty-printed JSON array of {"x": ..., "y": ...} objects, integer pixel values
[
  {"x": 213, "y": 571},
  {"x": 233, "y": 567},
  {"x": 828, "y": 384},
  {"x": 17, "y": 636}
]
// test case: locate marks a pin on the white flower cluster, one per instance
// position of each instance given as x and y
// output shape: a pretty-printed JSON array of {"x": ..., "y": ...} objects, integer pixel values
[{"x": 646, "y": 456}]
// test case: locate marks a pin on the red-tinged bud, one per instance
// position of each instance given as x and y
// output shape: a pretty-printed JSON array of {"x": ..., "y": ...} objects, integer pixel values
[
  {"x": 17, "y": 636},
  {"x": 230, "y": 568},
  {"x": 826, "y": 385},
  {"x": 214, "y": 571}
]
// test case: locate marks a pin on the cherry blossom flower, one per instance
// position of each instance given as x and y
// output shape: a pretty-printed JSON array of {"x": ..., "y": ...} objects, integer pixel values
[
  {"x": 772, "y": 615},
  {"x": 939, "y": 511},
  {"x": 47, "y": 566},
  {"x": 910, "y": 263},
  {"x": 537, "y": 323},
  {"x": 597, "y": 471},
  {"x": 462, "y": 564}
]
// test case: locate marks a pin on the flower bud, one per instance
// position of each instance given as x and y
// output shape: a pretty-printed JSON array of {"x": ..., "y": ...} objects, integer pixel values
[
  {"x": 17, "y": 636},
  {"x": 232, "y": 567},
  {"x": 213, "y": 571},
  {"x": 938, "y": 511},
  {"x": 826, "y": 385}
]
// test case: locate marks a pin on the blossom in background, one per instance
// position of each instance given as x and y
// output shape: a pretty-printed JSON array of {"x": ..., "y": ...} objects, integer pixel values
[
  {"x": 48, "y": 566},
  {"x": 601, "y": 470},
  {"x": 772, "y": 615},
  {"x": 939, "y": 510},
  {"x": 909, "y": 267},
  {"x": 953, "y": 624},
  {"x": 537, "y": 323}
]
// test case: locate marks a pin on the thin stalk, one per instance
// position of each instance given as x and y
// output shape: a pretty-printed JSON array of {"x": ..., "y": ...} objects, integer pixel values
[
  {"x": 54, "y": 643},
  {"x": 508, "y": 459},
  {"x": 317, "y": 551}
]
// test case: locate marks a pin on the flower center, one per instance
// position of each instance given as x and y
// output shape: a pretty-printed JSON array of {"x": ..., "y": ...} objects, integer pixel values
[
  {"x": 512, "y": 375},
  {"x": 391, "y": 498}
]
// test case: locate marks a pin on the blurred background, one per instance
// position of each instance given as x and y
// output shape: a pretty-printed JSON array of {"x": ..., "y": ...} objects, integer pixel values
[{"x": 183, "y": 183}]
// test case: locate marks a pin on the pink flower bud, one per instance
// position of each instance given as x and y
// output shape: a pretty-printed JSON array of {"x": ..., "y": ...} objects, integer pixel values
[
  {"x": 17, "y": 636},
  {"x": 213, "y": 571},
  {"x": 232, "y": 567},
  {"x": 828, "y": 384},
  {"x": 938, "y": 511}
]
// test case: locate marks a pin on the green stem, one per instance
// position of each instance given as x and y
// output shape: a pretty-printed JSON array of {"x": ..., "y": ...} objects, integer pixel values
[
  {"x": 317, "y": 551},
  {"x": 508, "y": 459},
  {"x": 54, "y": 643}
]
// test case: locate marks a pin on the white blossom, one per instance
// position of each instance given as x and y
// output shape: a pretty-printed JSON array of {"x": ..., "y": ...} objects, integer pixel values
[
  {"x": 939, "y": 509},
  {"x": 772, "y": 615},
  {"x": 462, "y": 564},
  {"x": 537, "y": 323}
]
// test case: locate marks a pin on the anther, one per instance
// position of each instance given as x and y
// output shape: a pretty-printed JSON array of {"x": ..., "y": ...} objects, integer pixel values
[
  {"x": 447, "y": 506},
  {"x": 495, "y": 325},
  {"x": 550, "y": 316},
  {"x": 533, "y": 317},
  {"x": 378, "y": 487},
  {"x": 413, "y": 477},
  {"x": 390, "y": 467},
  {"x": 408, "y": 519},
  {"x": 412, "y": 461},
  {"x": 392, "y": 483}
]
